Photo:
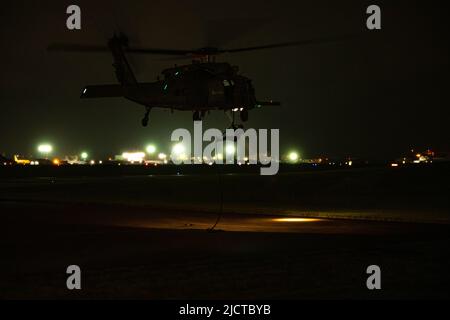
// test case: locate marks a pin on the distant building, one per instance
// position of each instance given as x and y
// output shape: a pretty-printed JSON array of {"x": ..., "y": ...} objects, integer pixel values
[
  {"x": 5, "y": 161},
  {"x": 73, "y": 160}
]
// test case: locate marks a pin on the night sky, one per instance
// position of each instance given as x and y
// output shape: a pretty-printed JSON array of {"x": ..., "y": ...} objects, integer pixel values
[{"x": 373, "y": 96}]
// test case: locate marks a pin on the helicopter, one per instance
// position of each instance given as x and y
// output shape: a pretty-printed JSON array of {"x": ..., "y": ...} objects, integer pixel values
[{"x": 199, "y": 87}]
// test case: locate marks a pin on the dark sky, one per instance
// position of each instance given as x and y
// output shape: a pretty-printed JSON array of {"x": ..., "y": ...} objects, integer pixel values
[{"x": 374, "y": 96}]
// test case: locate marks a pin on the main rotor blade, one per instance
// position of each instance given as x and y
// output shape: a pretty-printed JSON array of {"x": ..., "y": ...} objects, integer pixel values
[
  {"x": 288, "y": 44},
  {"x": 76, "y": 48},
  {"x": 172, "y": 52},
  {"x": 195, "y": 52},
  {"x": 95, "y": 48}
]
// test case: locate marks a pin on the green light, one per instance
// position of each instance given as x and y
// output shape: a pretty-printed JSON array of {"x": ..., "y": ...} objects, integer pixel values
[
  {"x": 84, "y": 155},
  {"x": 165, "y": 87},
  {"x": 151, "y": 149}
]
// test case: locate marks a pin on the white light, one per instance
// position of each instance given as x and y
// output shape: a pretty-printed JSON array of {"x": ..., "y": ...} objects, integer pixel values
[
  {"x": 229, "y": 149},
  {"x": 92, "y": 162},
  {"x": 293, "y": 156},
  {"x": 178, "y": 149},
  {"x": 84, "y": 91},
  {"x": 45, "y": 148},
  {"x": 162, "y": 156},
  {"x": 133, "y": 156},
  {"x": 151, "y": 149}
]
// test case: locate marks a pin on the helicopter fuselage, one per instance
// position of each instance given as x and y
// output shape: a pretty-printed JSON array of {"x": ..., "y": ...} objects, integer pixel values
[
  {"x": 201, "y": 86},
  {"x": 198, "y": 87}
]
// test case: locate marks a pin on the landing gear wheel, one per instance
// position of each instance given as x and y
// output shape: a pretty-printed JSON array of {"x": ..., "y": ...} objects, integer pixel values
[{"x": 244, "y": 115}]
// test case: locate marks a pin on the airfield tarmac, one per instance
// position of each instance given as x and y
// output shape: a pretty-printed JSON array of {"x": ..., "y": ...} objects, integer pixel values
[{"x": 131, "y": 246}]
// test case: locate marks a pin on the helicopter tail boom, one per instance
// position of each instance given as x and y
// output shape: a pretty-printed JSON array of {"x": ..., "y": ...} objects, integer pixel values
[
  {"x": 103, "y": 91},
  {"x": 268, "y": 103}
]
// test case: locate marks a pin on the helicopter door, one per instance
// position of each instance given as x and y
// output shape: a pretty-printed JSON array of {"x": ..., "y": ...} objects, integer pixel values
[
  {"x": 228, "y": 86},
  {"x": 196, "y": 96},
  {"x": 216, "y": 93}
]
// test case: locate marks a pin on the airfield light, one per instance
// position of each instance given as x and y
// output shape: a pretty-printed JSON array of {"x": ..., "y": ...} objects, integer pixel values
[
  {"x": 295, "y": 220},
  {"x": 178, "y": 149},
  {"x": 84, "y": 155},
  {"x": 151, "y": 149},
  {"x": 293, "y": 156},
  {"x": 45, "y": 148},
  {"x": 229, "y": 149},
  {"x": 162, "y": 156},
  {"x": 56, "y": 162},
  {"x": 134, "y": 156}
]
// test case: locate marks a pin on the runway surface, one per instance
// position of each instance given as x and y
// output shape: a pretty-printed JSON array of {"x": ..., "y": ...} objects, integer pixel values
[
  {"x": 128, "y": 245},
  {"x": 138, "y": 253}
]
